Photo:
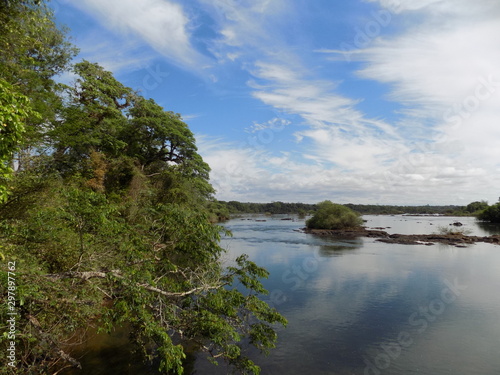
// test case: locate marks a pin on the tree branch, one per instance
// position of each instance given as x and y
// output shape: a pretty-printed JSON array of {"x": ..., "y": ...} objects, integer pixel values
[
  {"x": 102, "y": 275},
  {"x": 78, "y": 275},
  {"x": 177, "y": 294},
  {"x": 61, "y": 353}
]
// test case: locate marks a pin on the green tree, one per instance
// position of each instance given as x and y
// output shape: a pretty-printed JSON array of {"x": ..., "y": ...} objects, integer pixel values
[
  {"x": 161, "y": 142},
  {"x": 110, "y": 232},
  {"x": 333, "y": 216},
  {"x": 32, "y": 51},
  {"x": 159, "y": 135},
  {"x": 91, "y": 120},
  {"x": 475, "y": 207},
  {"x": 103, "y": 116},
  {"x": 491, "y": 214},
  {"x": 86, "y": 261},
  {"x": 109, "y": 215},
  {"x": 15, "y": 108}
]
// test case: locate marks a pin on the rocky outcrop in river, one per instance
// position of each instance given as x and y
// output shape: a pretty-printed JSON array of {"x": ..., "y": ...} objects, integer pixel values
[{"x": 459, "y": 240}]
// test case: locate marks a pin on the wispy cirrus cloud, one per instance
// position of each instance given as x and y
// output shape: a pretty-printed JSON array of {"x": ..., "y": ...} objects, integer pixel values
[
  {"x": 336, "y": 134},
  {"x": 113, "y": 53},
  {"x": 275, "y": 124},
  {"x": 337, "y": 146},
  {"x": 447, "y": 76},
  {"x": 244, "y": 27},
  {"x": 162, "y": 24},
  {"x": 434, "y": 69},
  {"x": 436, "y": 62}
]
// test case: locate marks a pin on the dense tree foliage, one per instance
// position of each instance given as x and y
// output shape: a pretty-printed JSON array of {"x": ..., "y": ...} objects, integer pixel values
[
  {"x": 491, "y": 214},
  {"x": 15, "y": 109},
  {"x": 108, "y": 221},
  {"x": 33, "y": 50},
  {"x": 476, "y": 207},
  {"x": 372, "y": 209},
  {"x": 235, "y": 207},
  {"x": 333, "y": 216}
]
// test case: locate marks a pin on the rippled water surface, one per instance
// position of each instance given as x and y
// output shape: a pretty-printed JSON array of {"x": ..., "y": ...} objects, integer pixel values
[{"x": 365, "y": 307}]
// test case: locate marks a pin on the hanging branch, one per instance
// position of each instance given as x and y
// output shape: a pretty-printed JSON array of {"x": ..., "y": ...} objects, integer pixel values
[
  {"x": 61, "y": 353},
  {"x": 102, "y": 275}
]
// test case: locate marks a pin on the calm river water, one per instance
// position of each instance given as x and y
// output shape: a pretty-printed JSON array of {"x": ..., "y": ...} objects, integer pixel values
[{"x": 366, "y": 307}]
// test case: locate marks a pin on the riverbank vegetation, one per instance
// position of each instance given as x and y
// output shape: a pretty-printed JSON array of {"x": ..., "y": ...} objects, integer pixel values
[
  {"x": 234, "y": 207},
  {"x": 491, "y": 214},
  {"x": 106, "y": 218}
]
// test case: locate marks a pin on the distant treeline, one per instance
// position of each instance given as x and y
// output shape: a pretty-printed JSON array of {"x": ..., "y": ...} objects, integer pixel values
[
  {"x": 271, "y": 208},
  {"x": 235, "y": 207},
  {"x": 367, "y": 209}
]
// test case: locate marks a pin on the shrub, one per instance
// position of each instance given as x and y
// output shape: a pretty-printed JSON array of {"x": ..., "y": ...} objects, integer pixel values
[
  {"x": 454, "y": 231},
  {"x": 491, "y": 214},
  {"x": 476, "y": 207},
  {"x": 333, "y": 216}
]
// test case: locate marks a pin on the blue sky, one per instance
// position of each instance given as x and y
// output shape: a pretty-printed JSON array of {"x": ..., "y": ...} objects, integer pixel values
[{"x": 361, "y": 101}]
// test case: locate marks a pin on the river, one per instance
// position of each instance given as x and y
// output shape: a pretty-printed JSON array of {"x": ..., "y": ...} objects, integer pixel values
[{"x": 358, "y": 306}]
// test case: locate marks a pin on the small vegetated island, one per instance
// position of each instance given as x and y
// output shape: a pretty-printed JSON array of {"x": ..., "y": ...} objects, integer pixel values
[
  {"x": 331, "y": 219},
  {"x": 332, "y": 216}
]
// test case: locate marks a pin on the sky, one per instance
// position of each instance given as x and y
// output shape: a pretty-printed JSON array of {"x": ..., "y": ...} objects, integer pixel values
[{"x": 359, "y": 101}]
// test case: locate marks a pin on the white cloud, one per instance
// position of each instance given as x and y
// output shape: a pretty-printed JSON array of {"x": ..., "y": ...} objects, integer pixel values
[
  {"x": 442, "y": 146},
  {"x": 242, "y": 23},
  {"x": 122, "y": 55},
  {"x": 337, "y": 131},
  {"x": 160, "y": 23},
  {"x": 284, "y": 87},
  {"x": 236, "y": 172},
  {"x": 447, "y": 75},
  {"x": 406, "y": 5},
  {"x": 341, "y": 151},
  {"x": 435, "y": 68},
  {"x": 274, "y": 125}
]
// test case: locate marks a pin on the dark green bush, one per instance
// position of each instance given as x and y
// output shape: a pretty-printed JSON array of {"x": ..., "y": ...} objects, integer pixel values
[
  {"x": 491, "y": 214},
  {"x": 333, "y": 216},
  {"x": 475, "y": 207}
]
